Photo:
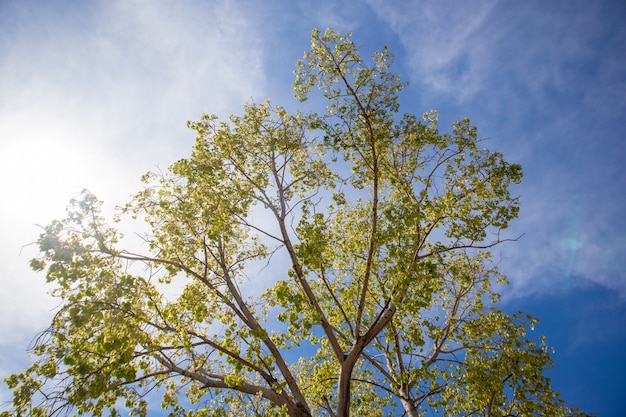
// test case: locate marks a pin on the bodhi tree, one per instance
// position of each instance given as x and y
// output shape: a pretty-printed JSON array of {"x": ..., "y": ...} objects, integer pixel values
[{"x": 327, "y": 264}]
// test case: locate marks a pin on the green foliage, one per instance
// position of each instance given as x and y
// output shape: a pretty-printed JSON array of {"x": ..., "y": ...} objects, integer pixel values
[{"x": 374, "y": 229}]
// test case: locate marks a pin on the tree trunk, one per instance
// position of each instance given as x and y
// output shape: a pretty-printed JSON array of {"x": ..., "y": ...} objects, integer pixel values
[
  {"x": 343, "y": 389},
  {"x": 409, "y": 408}
]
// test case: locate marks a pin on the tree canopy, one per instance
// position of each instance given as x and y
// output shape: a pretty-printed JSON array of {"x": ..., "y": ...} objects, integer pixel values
[{"x": 324, "y": 264}]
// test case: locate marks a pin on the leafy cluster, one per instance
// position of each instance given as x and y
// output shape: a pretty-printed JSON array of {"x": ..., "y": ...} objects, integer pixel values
[{"x": 327, "y": 264}]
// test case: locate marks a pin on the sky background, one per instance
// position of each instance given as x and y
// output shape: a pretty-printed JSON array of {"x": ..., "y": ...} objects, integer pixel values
[{"x": 95, "y": 93}]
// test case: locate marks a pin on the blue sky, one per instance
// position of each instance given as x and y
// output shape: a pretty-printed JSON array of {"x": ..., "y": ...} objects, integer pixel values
[{"x": 94, "y": 94}]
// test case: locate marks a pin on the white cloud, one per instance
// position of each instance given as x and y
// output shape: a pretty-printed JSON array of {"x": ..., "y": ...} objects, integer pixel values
[
  {"x": 572, "y": 234},
  {"x": 443, "y": 42},
  {"x": 94, "y": 97},
  {"x": 546, "y": 84},
  {"x": 343, "y": 16},
  {"x": 473, "y": 48}
]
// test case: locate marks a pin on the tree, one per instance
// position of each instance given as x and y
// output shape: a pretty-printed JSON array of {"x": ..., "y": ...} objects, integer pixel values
[{"x": 328, "y": 264}]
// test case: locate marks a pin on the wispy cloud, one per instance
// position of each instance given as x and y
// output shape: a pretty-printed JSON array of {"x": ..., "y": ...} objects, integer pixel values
[
  {"x": 548, "y": 86},
  {"x": 443, "y": 41},
  {"x": 342, "y": 16},
  {"x": 96, "y": 95}
]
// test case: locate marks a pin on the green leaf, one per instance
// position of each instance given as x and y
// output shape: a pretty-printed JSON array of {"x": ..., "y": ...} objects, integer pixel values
[{"x": 331, "y": 263}]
